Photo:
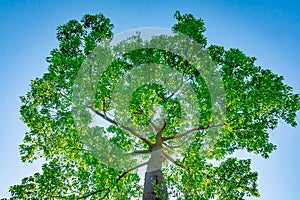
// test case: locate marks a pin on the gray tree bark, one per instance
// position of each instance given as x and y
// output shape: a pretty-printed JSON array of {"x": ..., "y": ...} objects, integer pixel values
[{"x": 154, "y": 177}]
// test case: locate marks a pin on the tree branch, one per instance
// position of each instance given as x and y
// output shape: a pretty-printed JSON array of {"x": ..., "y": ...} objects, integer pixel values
[
  {"x": 190, "y": 131},
  {"x": 163, "y": 125},
  {"x": 175, "y": 147},
  {"x": 183, "y": 134},
  {"x": 177, "y": 89},
  {"x": 123, "y": 127},
  {"x": 140, "y": 152},
  {"x": 141, "y": 112},
  {"x": 154, "y": 128},
  {"x": 159, "y": 138},
  {"x": 172, "y": 160},
  {"x": 136, "y": 167},
  {"x": 118, "y": 179},
  {"x": 93, "y": 193}
]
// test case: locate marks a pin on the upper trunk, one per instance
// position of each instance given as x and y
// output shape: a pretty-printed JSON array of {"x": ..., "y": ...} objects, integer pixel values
[{"x": 154, "y": 185}]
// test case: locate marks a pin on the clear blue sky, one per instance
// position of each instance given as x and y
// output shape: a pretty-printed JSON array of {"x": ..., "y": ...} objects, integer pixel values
[{"x": 268, "y": 30}]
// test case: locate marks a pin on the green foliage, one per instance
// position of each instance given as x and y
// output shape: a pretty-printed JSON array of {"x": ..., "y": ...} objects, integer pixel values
[
  {"x": 190, "y": 26},
  {"x": 255, "y": 100},
  {"x": 158, "y": 191}
]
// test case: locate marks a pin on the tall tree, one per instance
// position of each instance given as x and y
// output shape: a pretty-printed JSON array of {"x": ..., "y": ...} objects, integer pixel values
[{"x": 85, "y": 161}]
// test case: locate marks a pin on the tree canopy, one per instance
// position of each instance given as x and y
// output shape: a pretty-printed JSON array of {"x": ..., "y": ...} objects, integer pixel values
[{"x": 188, "y": 106}]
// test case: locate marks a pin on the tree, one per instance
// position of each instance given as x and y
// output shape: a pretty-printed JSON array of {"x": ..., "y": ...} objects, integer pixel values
[{"x": 155, "y": 124}]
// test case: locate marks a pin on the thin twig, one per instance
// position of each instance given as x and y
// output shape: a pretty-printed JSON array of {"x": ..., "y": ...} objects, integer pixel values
[{"x": 172, "y": 160}]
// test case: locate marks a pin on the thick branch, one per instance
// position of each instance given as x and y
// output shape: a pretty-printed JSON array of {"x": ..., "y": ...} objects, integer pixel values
[
  {"x": 189, "y": 132},
  {"x": 140, "y": 152},
  {"x": 123, "y": 127},
  {"x": 163, "y": 125},
  {"x": 154, "y": 128},
  {"x": 159, "y": 138},
  {"x": 175, "y": 147}
]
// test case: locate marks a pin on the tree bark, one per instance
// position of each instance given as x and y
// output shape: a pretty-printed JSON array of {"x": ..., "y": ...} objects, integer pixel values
[{"x": 154, "y": 177}]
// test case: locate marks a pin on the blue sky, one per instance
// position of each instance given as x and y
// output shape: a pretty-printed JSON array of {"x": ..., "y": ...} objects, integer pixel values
[{"x": 268, "y": 30}]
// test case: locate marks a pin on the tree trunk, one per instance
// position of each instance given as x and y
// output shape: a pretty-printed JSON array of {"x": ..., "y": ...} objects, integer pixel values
[{"x": 154, "y": 179}]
